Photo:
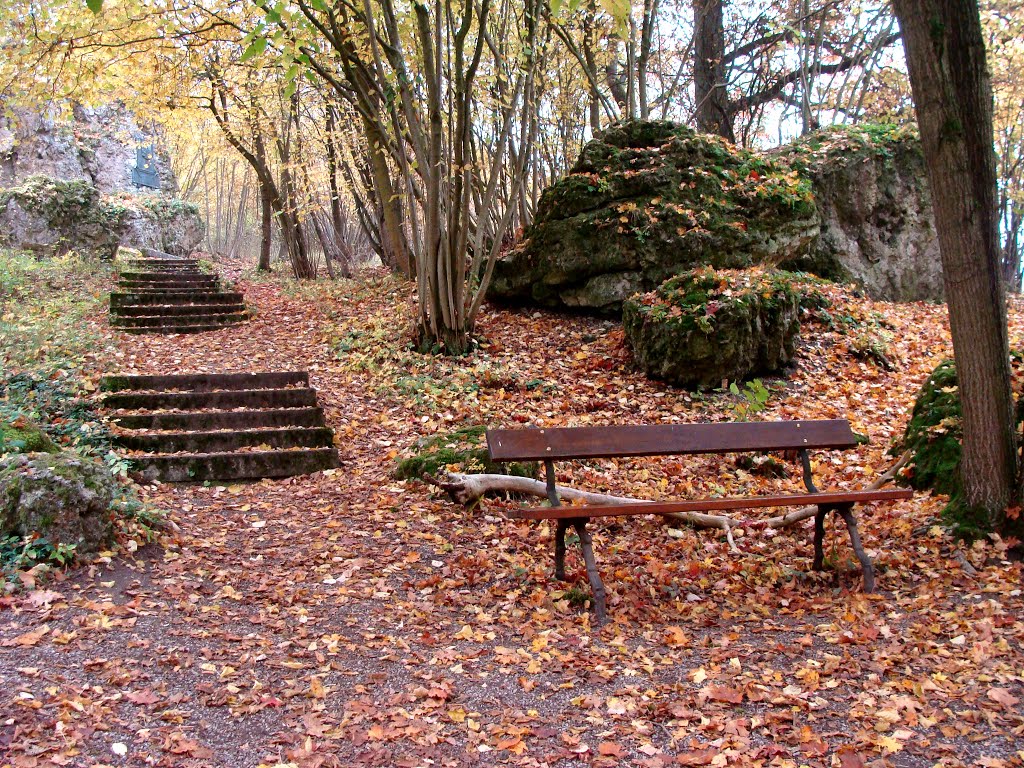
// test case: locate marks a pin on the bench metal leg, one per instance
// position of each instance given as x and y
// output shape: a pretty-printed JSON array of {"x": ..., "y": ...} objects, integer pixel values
[
  {"x": 846, "y": 512},
  {"x": 587, "y": 545},
  {"x": 819, "y": 537},
  {"x": 560, "y": 550}
]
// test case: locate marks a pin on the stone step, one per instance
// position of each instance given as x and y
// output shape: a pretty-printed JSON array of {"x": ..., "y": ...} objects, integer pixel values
[
  {"x": 242, "y": 398},
  {"x": 222, "y": 442},
  {"x": 205, "y": 382},
  {"x": 176, "y": 421},
  {"x": 183, "y": 468},
  {"x": 176, "y": 285},
  {"x": 169, "y": 330},
  {"x": 161, "y": 266},
  {"x": 172, "y": 283},
  {"x": 184, "y": 298},
  {"x": 184, "y": 277},
  {"x": 169, "y": 310},
  {"x": 155, "y": 320}
]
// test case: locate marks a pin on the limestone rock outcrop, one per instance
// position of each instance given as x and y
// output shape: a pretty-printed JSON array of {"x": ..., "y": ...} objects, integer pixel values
[
  {"x": 647, "y": 200},
  {"x": 89, "y": 180},
  {"x": 875, "y": 210}
]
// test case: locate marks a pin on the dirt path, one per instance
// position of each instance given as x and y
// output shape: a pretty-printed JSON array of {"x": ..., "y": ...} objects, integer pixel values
[{"x": 347, "y": 619}]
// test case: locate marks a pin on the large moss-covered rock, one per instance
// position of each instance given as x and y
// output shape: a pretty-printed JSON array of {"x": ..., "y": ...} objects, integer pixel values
[
  {"x": 706, "y": 325},
  {"x": 875, "y": 210},
  {"x": 62, "y": 497},
  {"x": 934, "y": 435},
  {"x": 647, "y": 200}
]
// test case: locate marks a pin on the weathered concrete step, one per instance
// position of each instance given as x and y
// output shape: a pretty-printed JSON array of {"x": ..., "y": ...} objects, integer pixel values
[
  {"x": 181, "y": 298},
  {"x": 182, "y": 279},
  {"x": 174, "y": 285},
  {"x": 241, "y": 398},
  {"x": 220, "y": 442},
  {"x": 183, "y": 468},
  {"x": 210, "y": 420},
  {"x": 154, "y": 320},
  {"x": 169, "y": 330},
  {"x": 200, "y": 291},
  {"x": 169, "y": 310},
  {"x": 162, "y": 266},
  {"x": 205, "y": 382}
]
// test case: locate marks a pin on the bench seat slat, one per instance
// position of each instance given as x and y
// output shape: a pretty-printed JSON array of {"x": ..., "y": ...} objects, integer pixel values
[
  {"x": 709, "y": 505},
  {"x": 666, "y": 439}
]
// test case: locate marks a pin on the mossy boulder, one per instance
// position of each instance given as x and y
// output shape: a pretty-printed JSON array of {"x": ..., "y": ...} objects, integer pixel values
[
  {"x": 704, "y": 326},
  {"x": 934, "y": 435},
  {"x": 647, "y": 200},
  {"x": 61, "y": 497},
  {"x": 464, "y": 450},
  {"x": 53, "y": 216},
  {"x": 24, "y": 436}
]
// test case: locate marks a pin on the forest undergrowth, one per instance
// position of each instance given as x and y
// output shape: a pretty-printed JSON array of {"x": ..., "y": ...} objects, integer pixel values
[{"x": 349, "y": 618}]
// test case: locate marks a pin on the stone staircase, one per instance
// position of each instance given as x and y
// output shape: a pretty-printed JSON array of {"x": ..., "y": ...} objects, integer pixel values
[
  {"x": 165, "y": 294},
  {"x": 233, "y": 426}
]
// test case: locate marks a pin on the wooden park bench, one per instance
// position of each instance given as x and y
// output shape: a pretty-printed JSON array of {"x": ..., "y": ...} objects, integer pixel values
[{"x": 551, "y": 445}]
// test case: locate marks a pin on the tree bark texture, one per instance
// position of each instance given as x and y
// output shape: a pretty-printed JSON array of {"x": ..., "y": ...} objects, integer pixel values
[
  {"x": 953, "y": 99},
  {"x": 713, "y": 109}
]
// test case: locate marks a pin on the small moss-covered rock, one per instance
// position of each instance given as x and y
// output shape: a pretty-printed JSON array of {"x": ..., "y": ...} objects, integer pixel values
[
  {"x": 933, "y": 434},
  {"x": 703, "y": 326},
  {"x": 61, "y": 497},
  {"x": 24, "y": 436},
  {"x": 464, "y": 450}
]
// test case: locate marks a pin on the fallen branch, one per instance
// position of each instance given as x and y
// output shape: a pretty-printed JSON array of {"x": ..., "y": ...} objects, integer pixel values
[
  {"x": 781, "y": 521},
  {"x": 467, "y": 490}
]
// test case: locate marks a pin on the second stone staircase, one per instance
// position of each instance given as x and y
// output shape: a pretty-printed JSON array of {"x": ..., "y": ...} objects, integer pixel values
[{"x": 164, "y": 294}]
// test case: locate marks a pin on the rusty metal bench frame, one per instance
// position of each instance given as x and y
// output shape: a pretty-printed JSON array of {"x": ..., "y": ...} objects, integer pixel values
[{"x": 561, "y": 443}]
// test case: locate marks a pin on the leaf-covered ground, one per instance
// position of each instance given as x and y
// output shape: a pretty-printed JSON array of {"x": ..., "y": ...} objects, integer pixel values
[{"x": 348, "y": 619}]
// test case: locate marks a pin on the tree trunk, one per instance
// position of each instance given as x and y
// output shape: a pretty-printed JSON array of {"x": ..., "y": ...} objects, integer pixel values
[
  {"x": 266, "y": 228},
  {"x": 713, "y": 111},
  {"x": 953, "y": 100}
]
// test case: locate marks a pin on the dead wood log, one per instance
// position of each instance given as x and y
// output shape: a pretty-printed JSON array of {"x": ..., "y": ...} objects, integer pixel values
[{"x": 468, "y": 489}]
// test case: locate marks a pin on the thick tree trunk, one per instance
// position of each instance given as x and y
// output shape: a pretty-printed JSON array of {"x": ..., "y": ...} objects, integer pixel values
[
  {"x": 713, "y": 110},
  {"x": 953, "y": 99}
]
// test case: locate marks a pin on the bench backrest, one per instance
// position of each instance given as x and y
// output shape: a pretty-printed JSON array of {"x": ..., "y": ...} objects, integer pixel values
[{"x": 666, "y": 439}]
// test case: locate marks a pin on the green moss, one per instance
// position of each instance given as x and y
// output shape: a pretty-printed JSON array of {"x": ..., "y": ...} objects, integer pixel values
[
  {"x": 23, "y": 436},
  {"x": 702, "y": 298},
  {"x": 463, "y": 450},
  {"x": 832, "y": 148},
  {"x": 933, "y": 434}
]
